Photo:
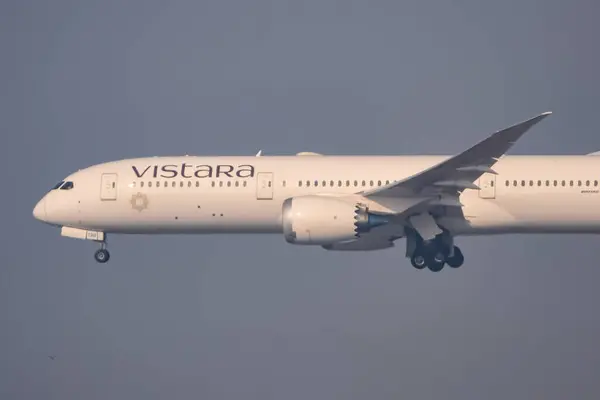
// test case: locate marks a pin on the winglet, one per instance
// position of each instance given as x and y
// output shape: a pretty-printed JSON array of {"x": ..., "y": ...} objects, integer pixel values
[
  {"x": 526, "y": 125},
  {"x": 537, "y": 119},
  {"x": 259, "y": 153}
]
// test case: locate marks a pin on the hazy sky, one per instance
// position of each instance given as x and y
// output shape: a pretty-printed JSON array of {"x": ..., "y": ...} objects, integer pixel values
[{"x": 252, "y": 317}]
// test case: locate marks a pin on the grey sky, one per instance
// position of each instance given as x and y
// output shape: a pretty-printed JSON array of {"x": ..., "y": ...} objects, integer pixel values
[{"x": 223, "y": 317}]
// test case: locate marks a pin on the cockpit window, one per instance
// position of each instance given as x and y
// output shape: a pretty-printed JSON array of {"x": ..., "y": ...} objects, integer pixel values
[
  {"x": 59, "y": 184},
  {"x": 67, "y": 186}
]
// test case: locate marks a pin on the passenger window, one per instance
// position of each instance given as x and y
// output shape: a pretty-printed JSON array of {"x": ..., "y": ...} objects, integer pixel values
[
  {"x": 547, "y": 183},
  {"x": 307, "y": 183},
  {"x": 339, "y": 183},
  {"x": 324, "y": 183},
  {"x": 189, "y": 184},
  {"x": 571, "y": 183},
  {"x": 387, "y": 182},
  {"x": 539, "y": 183},
  {"x": 283, "y": 184},
  {"x": 238, "y": 184},
  {"x": 149, "y": 184},
  {"x": 245, "y": 183},
  {"x": 174, "y": 184},
  {"x": 595, "y": 183},
  {"x": 299, "y": 183},
  {"x": 364, "y": 183},
  {"x": 331, "y": 183},
  {"x": 197, "y": 183},
  {"x": 578, "y": 183},
  {"x": 587, "y": 183},
  {"x": 166, "y": 184},
  {"x": 378, "y": 183},
  {"x": 347, "y": 183},
  {"x": 355, "y": 183},
  {"x": 507, "y": 183},
  {"x": 142, "y": 184},
  {"x": 555, "y": 183},
  {"x": 316, "y": 183},
  {"x": 564, "y": 183},
  {"x": 220, "y": 183},
  {"x": 181, "y": 184},
  {"x": 212, "y": 184}
]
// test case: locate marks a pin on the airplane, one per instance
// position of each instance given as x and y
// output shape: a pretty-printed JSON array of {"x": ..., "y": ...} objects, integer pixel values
[{"x": 341, "y": 203}]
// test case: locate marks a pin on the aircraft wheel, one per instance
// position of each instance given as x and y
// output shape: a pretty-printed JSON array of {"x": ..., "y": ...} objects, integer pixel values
[
  {"x": 102, "y": 256},
  {"x": 418, "y": 261},
  {"x": 457, "y": 259},
  {"x": 436, "y": 266},
  {"x": 436, "y": 260}
]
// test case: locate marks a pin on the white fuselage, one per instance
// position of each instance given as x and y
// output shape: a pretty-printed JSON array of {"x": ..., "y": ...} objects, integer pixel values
[{"x": 535, "y": 194}]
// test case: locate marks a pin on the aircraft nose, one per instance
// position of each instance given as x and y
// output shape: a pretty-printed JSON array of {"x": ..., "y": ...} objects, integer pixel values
[{"x": 39, "y": 211}]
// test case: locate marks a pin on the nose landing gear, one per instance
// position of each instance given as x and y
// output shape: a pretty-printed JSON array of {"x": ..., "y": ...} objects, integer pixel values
[{"x": 102, "y": 255}]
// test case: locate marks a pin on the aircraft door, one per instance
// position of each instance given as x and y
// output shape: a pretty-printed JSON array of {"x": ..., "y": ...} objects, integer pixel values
[
  {"x": 264, "y": 186},
  {"x": 487, "y": 186},
  {"x": 108, "y": 188}
]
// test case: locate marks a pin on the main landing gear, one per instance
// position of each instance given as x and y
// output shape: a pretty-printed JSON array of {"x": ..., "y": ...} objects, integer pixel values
[
  {"x": 102, "y": 255},
  {"x": 435, "y": 255}
]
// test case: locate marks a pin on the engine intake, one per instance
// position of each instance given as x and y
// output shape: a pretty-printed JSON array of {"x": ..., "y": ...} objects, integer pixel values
[{"x": 319, "y": 220}]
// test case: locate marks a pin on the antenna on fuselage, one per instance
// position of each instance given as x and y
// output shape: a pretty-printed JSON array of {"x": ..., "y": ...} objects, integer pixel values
[{"x": 259, "y": 153}]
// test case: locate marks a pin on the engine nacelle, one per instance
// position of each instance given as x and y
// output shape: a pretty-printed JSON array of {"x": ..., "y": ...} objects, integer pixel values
[{"x": 320, "y": 220}]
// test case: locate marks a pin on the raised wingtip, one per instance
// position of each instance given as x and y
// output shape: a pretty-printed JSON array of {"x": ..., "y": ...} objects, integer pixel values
[{"x": 546, "y": 113}]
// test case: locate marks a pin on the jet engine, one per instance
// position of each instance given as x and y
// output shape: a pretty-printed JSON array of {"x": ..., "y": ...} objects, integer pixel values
[{"x": 320, "y": 220}]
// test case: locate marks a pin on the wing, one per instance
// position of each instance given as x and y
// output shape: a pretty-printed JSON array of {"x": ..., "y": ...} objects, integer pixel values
[{"x": 460, "y": 172}]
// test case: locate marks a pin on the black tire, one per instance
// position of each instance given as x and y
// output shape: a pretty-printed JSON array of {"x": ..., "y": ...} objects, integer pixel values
[
  {"x": 457, "y": 258},
  {"x": 102, "y": 256},
  {"x": 418, "y": 261},
  {"x": 436, "y": 259},
  {"x": 435, "y": 266}
]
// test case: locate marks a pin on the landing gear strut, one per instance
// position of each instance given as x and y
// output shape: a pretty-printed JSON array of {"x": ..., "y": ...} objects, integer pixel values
[{"x": 102, "y": 255}]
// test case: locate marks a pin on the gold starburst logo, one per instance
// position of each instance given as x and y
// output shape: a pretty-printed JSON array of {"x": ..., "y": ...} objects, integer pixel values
[{"x": 139, "y": 201}]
